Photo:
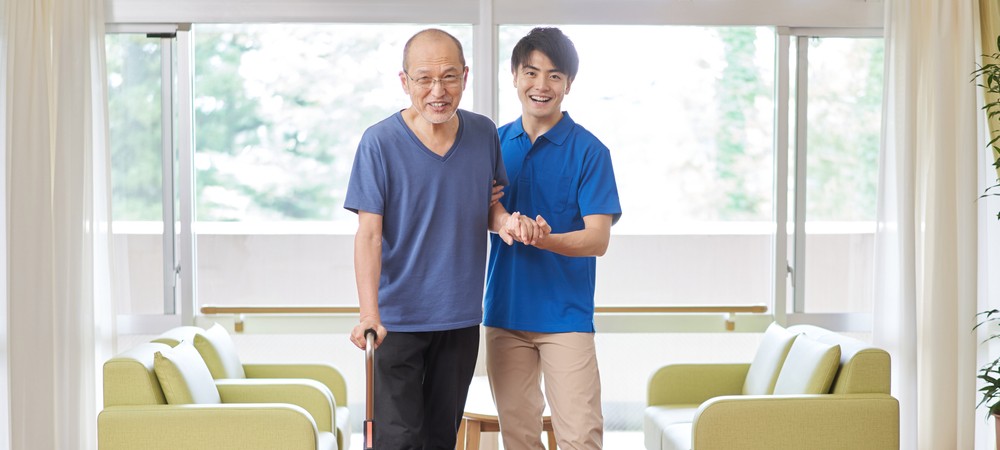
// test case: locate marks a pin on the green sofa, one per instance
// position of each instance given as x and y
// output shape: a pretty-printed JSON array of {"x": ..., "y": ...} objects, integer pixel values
[
  {"x": 167, "y": 394},
  {"x": 806, "y": 388}
]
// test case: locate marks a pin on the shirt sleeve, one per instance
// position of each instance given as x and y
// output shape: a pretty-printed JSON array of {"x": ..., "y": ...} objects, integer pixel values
[
  {"x": 366, "y": 189},
  {"x": 598, "y": 192},
  {"x": 499, "y": 170}
]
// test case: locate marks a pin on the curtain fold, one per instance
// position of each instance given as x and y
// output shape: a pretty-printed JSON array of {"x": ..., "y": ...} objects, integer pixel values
[
  {"x": 60, "y": 321},
  {"x": 926, "y": 243},
  {"x": 4, "y": 353}
]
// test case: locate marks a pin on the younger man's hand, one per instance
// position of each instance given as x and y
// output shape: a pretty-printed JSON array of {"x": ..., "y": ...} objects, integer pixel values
[{"x": 497, "y": 193}]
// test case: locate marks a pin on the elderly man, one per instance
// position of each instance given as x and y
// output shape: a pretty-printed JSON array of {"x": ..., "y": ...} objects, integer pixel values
[{"x": 423, "y": 188}]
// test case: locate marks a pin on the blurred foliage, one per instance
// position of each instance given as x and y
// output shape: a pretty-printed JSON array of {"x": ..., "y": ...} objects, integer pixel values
[
  {"x": 737, "y": 90},
  {"x": 279, "y": 110},
  {"x": 844, "y": 128},
  {"x": 134, "y": 120}
]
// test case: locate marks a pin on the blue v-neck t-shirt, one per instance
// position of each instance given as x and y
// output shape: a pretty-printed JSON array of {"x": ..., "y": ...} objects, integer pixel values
[{"x": 434, "y": 220}]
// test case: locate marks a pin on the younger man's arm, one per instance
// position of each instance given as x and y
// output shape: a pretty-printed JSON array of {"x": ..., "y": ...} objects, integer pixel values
[{"x": 592, "y": 240}]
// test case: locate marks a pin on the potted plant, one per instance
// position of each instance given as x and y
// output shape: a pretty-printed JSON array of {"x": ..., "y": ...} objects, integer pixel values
[
  {"x": 988, "y": 76},
  {"x": 990, "y": 373}
]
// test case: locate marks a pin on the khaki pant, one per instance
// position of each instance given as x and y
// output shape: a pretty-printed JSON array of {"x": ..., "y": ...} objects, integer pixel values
[{"x": 516, "y": 362}]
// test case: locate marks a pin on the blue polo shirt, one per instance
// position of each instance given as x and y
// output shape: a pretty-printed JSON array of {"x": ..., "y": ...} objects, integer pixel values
[
  {"x": 564, "y": 176},
  {"x": 434, "y": 220}
]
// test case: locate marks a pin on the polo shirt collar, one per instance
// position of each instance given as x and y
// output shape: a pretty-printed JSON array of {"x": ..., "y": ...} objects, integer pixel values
[{"x": 557, "y": 135}]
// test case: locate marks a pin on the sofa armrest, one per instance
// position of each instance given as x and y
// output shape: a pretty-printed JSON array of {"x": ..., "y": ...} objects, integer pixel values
[
  {"x": 324, "y": 373},
  {"x": 218, "y": 427},
  {"x": 816, "y": 422},
  {"x": 695, "y": 383},
  {"x": 310, "y": 395}
]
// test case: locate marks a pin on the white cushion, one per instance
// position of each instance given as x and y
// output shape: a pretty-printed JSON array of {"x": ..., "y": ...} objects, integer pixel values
[
  {"x": 219, "y": 352},
  {"x": 176, "y": 335},
  {"x": 677, "y": 437},
  {"x": 183, "y": 376},
  {"x": 809, "y": 368},
  {"x": 659, "y": 418},
  {"x": 766, "y": 365}
]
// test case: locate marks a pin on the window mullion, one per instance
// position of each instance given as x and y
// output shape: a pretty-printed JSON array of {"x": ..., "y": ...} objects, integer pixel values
[
  {"x": 780, "y": 256},
  {"x": 167, "y": 171},
  {"x": 185, "y": 148},
  {"x": 801, "y": 116}
]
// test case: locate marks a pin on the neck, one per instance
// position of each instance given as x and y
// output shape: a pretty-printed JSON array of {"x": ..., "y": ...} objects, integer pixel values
[
  {"x": 438, "y": 137},
  {"x": 536, "y": 126},
  {"x": 418, "y": 123}
]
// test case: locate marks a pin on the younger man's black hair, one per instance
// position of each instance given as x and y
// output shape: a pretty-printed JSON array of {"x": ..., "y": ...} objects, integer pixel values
[{"x": 553, "y": 43}]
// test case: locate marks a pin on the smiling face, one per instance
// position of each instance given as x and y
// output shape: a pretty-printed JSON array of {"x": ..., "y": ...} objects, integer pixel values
[
  {"x": 431, "y": 61},
  {"x": 541, "y": 88}
]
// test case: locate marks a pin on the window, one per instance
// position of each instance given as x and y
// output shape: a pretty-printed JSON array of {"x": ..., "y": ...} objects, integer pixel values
[
  {"x": 277, "y": 118},
  {"x": 141, "y": 139},
  {"x": 839, "y": 97}
]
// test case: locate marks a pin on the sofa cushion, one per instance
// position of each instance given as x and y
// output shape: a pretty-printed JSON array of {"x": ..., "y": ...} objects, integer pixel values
[
  {"x": 219, "y": 352},
  {"x": 658, "y": 418},
  {"x": 809, "y": 368},
  {"x": 176, "y": 335},
  {"x": 767, "y": 362},
  {"x": 677, "y": 437},
  {"x": 183, "y": 376},
  {"x": 863, "y": 368}
]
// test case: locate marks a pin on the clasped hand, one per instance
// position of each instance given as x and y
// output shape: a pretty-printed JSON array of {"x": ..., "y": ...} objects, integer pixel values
[{"x": 524, "y": 229}]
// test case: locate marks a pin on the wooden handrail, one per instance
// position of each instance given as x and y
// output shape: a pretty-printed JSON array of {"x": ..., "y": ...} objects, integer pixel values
[
  {"x": 280, "y": 310},
  {"x": 731, "y": 310},
  {"x": 633, "y": 309}
]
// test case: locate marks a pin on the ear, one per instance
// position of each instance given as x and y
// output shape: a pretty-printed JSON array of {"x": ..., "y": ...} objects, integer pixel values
[
  {"x": 402, "y": 81},
  {"x": 569, "y": 83}
]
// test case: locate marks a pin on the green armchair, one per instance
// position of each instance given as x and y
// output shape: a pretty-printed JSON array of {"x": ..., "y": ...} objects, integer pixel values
[
  {"x": 159, "y": 398},
  {"x": 807, "y": 387},
  {"x": 219, "y": 353},
  {"x": 187, "y": 390}
]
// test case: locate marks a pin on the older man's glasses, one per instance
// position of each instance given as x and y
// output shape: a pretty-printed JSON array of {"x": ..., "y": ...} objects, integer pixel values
[{"x": 449, "y": 81}]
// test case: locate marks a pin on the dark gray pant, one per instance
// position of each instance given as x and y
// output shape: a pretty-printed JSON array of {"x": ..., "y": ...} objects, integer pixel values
[{"x": 421, "y": 382}]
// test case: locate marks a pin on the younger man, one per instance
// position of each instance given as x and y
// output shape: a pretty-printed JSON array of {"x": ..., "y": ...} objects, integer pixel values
[{"x": 539, "y": 303}]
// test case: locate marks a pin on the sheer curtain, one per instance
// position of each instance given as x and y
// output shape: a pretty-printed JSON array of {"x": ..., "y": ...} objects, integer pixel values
[
  {"x": 926, "y": 249},
  {"x": 60, "y": 323},
  {"x": 4, "y": 353}
]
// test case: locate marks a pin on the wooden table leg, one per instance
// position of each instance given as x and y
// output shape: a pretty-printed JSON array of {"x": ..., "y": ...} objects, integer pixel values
[
  {"x": 472, "y": 434},
  {"x": 460, "y": 439}
]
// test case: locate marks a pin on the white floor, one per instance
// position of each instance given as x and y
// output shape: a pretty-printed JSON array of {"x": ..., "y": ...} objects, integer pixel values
[{"x": 613, "y": 440}]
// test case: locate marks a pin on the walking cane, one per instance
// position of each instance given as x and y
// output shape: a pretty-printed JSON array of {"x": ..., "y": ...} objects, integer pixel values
[{"x": 369, "y": 425}]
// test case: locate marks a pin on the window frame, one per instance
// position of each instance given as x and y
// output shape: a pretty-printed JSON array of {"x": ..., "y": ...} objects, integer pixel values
[
  {"x": 167, "y": 36},
  {"x": 832, "y": 17},
  {"x": 796, "y": 267}
]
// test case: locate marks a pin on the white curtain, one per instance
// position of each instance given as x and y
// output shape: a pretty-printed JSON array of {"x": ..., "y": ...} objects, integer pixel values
[
  {"x": 60, "y": 321},
  {"x": 926, "y": 249},
  {"x": 4, "y": 353}
]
